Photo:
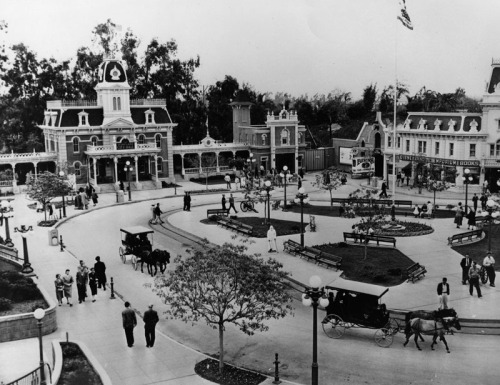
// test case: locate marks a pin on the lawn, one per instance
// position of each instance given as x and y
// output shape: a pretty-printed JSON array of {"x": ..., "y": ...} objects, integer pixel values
[{"x": 477, "y": 250}]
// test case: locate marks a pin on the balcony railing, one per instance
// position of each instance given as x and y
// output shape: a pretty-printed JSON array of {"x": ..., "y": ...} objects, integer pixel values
[
  {"x": 71, "y": 103},
  {"x": 123, "y": 147},
  {"x": 28, "y": 156},
  {"x": 148, "y": 102}
]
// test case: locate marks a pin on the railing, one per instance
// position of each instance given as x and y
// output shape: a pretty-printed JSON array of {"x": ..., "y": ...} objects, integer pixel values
[
  {"x": 122, "y": 146},
  {"x": 125, "y": 146},
  {"x": 26, "y": 155},
  {"x": 32, "y": 378},
  {"x": 148, "y": 102},
  {"x": 71, "y": 103},
  {"x": 204, "y": 170}
]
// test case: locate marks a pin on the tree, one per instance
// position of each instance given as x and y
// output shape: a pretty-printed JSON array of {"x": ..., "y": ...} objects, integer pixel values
[
  {"x": 369, "y": 97},
  {"x": 329, "y": 180},
  {"x": 46, "y": 187},
  {"x": 223, "y": 285},
  {"x": 437, "y": 186}
]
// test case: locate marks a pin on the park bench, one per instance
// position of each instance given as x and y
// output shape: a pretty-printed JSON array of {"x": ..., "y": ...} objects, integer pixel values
[
  {"x": 329, "y": 260},
  {"x": 231, "y": 224},
  {"x": 370, "y": 238},
  {"x": 468, "y": 236},
  {"x": 292, "y": 247},
  {"x": 309, "y": 253},
  {"x": 371, "y": 202},
  {"x": 218, "y": 212},
  {"x": 415, "y": 272}
]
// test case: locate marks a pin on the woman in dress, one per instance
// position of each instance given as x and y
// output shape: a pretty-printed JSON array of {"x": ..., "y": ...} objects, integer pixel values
[
  {"x": 459, "y": 215},
  {"x": 68, "y": 284},
  {"x": 59, "y": 284},
  {"x": 93, "y": 283}
]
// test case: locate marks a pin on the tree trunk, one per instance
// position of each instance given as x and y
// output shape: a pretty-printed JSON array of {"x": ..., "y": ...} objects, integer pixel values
[{"x": 221, "y": 348}]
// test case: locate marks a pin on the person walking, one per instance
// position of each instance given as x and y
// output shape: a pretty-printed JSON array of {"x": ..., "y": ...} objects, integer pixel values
[
  {"x": 81, "y": 283},
  {"x": 271, "y": 238},
  {"x": 68, "y": 286},
  {"x": 474, "y": 279},
  {"x": 407, "y": 180},
  {"x": 185, "y": 201},
  {"x": 489, "y": 265},
  {"x": 443, "y": 291},
  {"x": 465, "y": 264},
  {"x": 100, "y": 273},
  {"x": 150, "y": 321},
  {"x": 227, "y": 178},
  {"x": 459, "y": 215},
  {"x": 398, "y": 179},
  {"x": 94, "y": 198},
  {"x": 231, "y": 204},
  {"x": 188, "y": 201},
  {"x": 129, "y": 323},
  {"x": 471, "y": 219},
  {"x": 158, "y": 212},
  {"x": 474, "y": 202},
  {"x": 384, "y": 190},
  {"x": 59, "y": 284},
  {"x": 483, "y": 200},
  {"x": 223, "y": 202},
  {"x": 93, "y": 283}
]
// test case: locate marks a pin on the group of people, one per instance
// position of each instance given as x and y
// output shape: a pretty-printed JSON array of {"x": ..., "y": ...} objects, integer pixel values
[
  {"x": 156, "y": 211},
  {"x": 400, "y": 179},
  {"x": 471, "y": 272},
  {"x": 95, "y": 278},
  {"x": 426, "y": 210},
  {"x": 468, "y": 213},
  {"x": 129, "y": 321},
  {"x": 187, "y": 201},
  {"x": 231, "y": 203},
  {"x": 84, "y": 196}
]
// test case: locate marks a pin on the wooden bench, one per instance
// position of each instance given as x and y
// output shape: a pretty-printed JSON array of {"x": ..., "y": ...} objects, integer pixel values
[
  {"x": 312, "y": 254},
  {"x": 309, "y": 253},
  {"x": 415, "y": 272},
  {"x": 370, "y": 238},
  {"x": 468, "y": 236},
  {"x": 231, "y": 224},
  {"x": 371, "y": 202},
  {"x": 218, "y": 212},
  {"x": 329, "y": 260},
  {"x": 292, "y": 247}
]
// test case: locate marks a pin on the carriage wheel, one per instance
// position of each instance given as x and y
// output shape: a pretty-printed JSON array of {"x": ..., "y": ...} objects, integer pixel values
[
  {"x": 384, "y": 337},
  {"x": 483, "y": 275},
  {"x": 122, "y": 254},
  {"x": 250, "y": 206},
  {"x": 243, "y": 206},
  {"x": 334, "y": 326},
  {"x": 396, "y": 325},
  {"x": 134, "y": 262}
]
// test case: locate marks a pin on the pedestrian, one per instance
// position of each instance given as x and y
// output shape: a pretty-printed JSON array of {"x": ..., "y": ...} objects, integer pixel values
[
  {"x": 416, "y": 211},
  {"x": 93, "y": 283},
  {"x": 301, "y": 172},
  {"x": 459, "y": 215},
  {"x": 474, "y": 201},
  {"x": 443, "y": 291},
  {"x": 398, "y": 179},
  {"x": 158, "y": 213},
  {"x": 150, "y": 321},
  {"x": 489, "y": 265},
  {"x": 465, "y": 264},
  {"x": 81, "y": 284},
  {"x": 185, "y": 201},
  {"x": 59, "y": 284},
  {"x": 237, "y": 183},
  {"x": 483, "y": 200},
  {"x": 94, "y": 198},
  {"x": 271, "y": 238},
  {"x": 330, "y": 307},
  {"x": 231, "y": 204},
  {"x": 485, "y": 187},
  {"x": 129, "y": 323},
  {"x": 223, "y": 202},
  {"x": 474, "y": 279},
  {"x": 68, "y": 286},
  {"x": 384, "y": 190},
  {"x": 51, "y": 210},
  {"x": 471, "y": 219},
  {"x": 122, "y": 186},
  {"x": 100, "y": 273},
  {"x": 407, "y": 180},
  {"x": 430, "y": 209},
  {"x": 188, "y": 201},
  {"x": 227, "y": 178}
]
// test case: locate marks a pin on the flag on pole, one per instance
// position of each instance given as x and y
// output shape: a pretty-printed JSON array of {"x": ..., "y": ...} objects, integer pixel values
[{"x": 404, "y": 17}]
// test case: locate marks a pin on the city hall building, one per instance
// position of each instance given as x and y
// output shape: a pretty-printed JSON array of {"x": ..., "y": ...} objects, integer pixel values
[{"x": 446, "y": 144}]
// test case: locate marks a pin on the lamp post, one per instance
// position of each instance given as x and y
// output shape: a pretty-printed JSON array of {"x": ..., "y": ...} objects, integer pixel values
[
  {"x": 467, "y": 179},
  {"x": 283, "y": 175},
  {"x": 490, "y": 216},
  {"x": 6, "y": 210},
  {"x": 127, "y": 169},
  {"x": 312, "y": 296},
  {"x": 27, "y": 269},
  {"x": 267, "y": 193},
  {"x": 250, "y": 161},
  {"x": 39, "y": 314},
  {"x": 301, "y": 198},
  {"x": 61, "y": 174}
]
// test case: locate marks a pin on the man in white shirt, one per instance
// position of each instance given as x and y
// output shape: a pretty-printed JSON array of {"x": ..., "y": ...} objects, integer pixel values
[{"x": 489, "y": 265}]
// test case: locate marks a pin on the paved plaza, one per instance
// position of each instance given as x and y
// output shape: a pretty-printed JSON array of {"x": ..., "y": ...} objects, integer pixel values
[{"x": 98, "y": 325}]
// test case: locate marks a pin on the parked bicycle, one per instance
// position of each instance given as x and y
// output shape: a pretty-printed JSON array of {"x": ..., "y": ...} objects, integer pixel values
[{"x": 248, "y": 205}]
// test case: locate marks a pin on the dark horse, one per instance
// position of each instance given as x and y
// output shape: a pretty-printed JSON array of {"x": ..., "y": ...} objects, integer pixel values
[
  {"x": 154, "y": 259},
  {"x": 441, "y": 321}
]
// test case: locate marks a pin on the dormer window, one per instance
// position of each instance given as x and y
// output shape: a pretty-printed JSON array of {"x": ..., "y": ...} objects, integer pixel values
[
  {"x": 452, "y": 124},
  {"x": 407, "y": 124},
  {"x": 422, "y": 124},
  {"x": 285, "y": 137},
  {"x": 83, "y": 118},
  {"x": 437, "y": 124},
  {"x": 150, "y": 117}
]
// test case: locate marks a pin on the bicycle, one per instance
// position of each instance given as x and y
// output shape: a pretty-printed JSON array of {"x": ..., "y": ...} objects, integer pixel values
[{"x": 247, "y": 205}]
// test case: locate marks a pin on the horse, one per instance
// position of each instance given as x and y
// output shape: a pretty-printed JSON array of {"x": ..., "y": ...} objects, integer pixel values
[
  {"x": 428, "y": 315},
  {"x": 153, "y": 259},
  {"x": 436, "y": 327}
]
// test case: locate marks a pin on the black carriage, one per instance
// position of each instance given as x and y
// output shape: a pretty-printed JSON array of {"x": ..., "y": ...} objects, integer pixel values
[
  {"x": 358, "y": 304},
  {"x": 136, "y": 240}
]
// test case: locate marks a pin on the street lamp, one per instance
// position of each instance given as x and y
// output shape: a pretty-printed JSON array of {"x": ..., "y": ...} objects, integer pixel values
[
  {"x": 490, "y": 216},
  {"x": 250, "y": 161},
  {"x": 467, "y": 179},
  {"x": 27, "y": 269},
  {"x": 39, "y": 314},
  {"x": 283, "y": 175},
  {"x": 267, "y": 192},
  {"x": 312, "y": 296},
  {"x": 301, "y": 198},
  {"x": 127, "y": 169},
  {"x": 61, "y": 174},
  {"x": 6, "y": 210}
]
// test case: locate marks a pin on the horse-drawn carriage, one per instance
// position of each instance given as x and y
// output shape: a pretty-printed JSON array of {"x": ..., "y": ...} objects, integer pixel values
[{"x": 357, "y": 304}]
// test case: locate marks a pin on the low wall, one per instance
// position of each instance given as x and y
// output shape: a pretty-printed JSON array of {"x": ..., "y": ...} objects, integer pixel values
[{"x": 21, "y": 326}]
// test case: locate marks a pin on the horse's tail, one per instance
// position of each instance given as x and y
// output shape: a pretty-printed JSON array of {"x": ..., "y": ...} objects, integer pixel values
[{"x": 407, "y": 323}]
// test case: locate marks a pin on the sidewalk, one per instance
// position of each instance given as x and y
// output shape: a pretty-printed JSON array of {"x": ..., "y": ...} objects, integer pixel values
[{"x": 98, "y": 324}]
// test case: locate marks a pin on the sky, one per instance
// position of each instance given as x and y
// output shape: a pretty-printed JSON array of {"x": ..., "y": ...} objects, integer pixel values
[{"x": 295, "y": 46}]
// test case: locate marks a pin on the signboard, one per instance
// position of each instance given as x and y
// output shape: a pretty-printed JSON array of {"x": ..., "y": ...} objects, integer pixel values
[
  {"x": 345, "y": 155},
  {"x": 448, "y": 162}
]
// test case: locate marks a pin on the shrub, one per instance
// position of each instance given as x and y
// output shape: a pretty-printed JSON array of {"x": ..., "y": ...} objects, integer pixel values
[
  {"x": 5, "y": 304},
  {"x": 18, "y": 288},
  {"x": 395, "y": 272}
]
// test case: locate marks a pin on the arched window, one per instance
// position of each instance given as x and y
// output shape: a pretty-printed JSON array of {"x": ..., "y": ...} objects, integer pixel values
[
  {"x": 78, "y": 170},
  {"x": 76, "y": 145},
  {"x": 378, "y": 140},
  {"x": 114, "y": 104},
  {"x": 158, "y": 140},
  {"x": 362, "y": 143},
  {"x": 94, "y": 140},
  {"x": 285, "y": 137},
  {"x": 141, "y": 139},
  {"x": 159, "y": 164},
  {"x": 119, "y": 104}
]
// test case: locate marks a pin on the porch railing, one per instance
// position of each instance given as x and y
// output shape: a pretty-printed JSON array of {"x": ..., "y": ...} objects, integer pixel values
[
  {"x": 32, "y": 378},
  {"x": 123, "y": 146},
  {"x": 204, "y": 170}
]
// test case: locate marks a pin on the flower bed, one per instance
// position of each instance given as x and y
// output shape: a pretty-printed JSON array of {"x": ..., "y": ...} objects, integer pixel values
[
  {"x": 209, "y": 369},
  {"x": 76, "y": 368},
  {"x": 396, "y": 228}
]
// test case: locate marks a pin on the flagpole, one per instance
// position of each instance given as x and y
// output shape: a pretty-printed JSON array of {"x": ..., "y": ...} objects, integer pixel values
[{"x": 394, "y": 141}]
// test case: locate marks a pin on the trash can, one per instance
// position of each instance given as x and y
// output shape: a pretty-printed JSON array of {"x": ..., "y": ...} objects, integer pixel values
[
  {"x": 119, "y": 196},
  {"x": 53, "y": 237}
]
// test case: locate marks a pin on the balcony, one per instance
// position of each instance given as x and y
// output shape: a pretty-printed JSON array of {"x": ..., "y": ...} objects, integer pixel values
[
  {"x": 148, "y": 102},
  {"x": 123, "y": 149},
  {"x": 53, "y": 104}
]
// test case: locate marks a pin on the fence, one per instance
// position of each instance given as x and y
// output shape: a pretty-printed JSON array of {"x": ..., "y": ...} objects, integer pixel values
[{"x": 32, "y": 378}]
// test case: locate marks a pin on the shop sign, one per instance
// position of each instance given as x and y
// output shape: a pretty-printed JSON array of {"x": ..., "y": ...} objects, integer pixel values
[{"x": 449, "y": 162}]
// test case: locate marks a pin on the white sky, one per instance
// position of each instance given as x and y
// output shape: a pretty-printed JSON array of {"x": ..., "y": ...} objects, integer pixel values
[{"x": 294, "y": 46}]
